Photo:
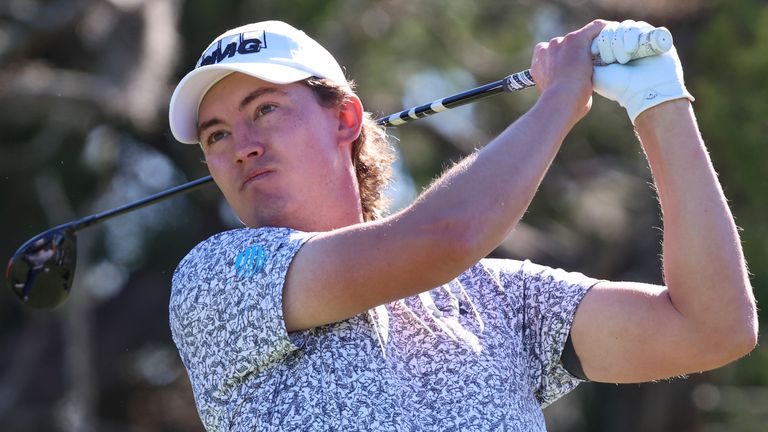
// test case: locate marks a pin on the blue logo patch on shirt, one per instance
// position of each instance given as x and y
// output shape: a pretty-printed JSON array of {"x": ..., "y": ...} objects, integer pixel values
[{"x": 250, "y": 261}]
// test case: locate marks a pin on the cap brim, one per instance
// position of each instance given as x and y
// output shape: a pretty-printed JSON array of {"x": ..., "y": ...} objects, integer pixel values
[{"x": 185, "y": 102}]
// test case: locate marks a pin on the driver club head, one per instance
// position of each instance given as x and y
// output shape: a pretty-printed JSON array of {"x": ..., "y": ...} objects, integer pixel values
[{"x": 40, "y": 273}]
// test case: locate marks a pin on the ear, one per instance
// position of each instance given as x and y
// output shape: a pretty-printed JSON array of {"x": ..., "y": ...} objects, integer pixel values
[{"x": 350, "y": 121}]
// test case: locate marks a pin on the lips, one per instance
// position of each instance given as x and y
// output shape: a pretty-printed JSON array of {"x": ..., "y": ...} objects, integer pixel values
[{"x": 255, "y": 176}]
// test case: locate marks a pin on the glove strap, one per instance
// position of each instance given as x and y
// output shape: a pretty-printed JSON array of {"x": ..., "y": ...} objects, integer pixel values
[{"x": 646, "y": 99}]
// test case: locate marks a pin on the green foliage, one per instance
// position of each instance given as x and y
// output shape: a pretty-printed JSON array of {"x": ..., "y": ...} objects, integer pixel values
[
  {"x": 63, "y": 82},
  {"x": 730, "y": 84},
  {"x": 732, "y": 66}
]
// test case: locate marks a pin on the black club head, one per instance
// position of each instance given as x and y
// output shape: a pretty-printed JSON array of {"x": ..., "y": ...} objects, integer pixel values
[{"x": 40, "y": 273}]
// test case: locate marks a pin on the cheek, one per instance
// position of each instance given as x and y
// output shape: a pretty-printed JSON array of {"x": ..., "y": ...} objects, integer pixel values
[
  {"x": 318, "y": 141},
  {"x": 222, "y": 175}
]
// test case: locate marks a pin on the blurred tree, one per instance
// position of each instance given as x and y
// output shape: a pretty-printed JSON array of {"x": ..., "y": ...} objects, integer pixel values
[
  {"x": 84, "y": 85},
  {"x": 731, "y": 66}
]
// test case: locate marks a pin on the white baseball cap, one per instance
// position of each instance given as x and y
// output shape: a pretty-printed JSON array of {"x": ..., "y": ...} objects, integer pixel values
[{"x": 270, "y": 50}]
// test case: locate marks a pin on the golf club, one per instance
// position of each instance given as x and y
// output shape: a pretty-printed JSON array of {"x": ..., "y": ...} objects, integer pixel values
[{"x": 41, "y": 270}]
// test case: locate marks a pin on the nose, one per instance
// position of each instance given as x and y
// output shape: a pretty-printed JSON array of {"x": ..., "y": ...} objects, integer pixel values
[{"x": 248, "y": 143}]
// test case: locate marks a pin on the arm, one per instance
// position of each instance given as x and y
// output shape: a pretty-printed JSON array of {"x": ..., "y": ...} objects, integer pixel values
[
  {"x": 462, "y": 217},
  {"x": 705, "y": 316}
]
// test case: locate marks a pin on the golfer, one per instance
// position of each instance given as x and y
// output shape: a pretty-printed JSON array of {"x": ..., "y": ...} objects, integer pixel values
[{"x": 322, "y": 315}]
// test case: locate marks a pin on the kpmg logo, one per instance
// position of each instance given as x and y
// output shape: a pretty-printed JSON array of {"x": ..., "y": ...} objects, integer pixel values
[
  {"x": 250, "y": 261},
  {"x": 243, "y": 43}
]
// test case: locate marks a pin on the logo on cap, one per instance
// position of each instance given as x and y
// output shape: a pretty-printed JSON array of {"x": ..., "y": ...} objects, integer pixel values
[{"x": 243, "y": 43}]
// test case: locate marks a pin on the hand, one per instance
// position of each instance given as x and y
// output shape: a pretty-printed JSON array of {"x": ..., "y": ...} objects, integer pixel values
[
  {"x": 640, "y": 84},
  {"x": 563, "y": 66}
]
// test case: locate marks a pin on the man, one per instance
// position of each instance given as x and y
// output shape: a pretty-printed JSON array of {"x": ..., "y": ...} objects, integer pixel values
[{"x": 320, "y": 315}]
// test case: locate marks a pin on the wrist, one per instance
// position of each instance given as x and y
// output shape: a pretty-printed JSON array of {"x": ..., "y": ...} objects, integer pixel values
[
  {"x": 566, "y": 102},
  {"x": 647, "y": 99},
  {"x": 664, "y": 114}
]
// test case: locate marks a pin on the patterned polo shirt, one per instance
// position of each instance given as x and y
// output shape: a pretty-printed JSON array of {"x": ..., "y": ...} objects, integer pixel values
[{"x": 480, "y": 353}]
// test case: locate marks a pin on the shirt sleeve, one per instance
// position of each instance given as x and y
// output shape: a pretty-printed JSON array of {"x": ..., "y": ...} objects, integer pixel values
[
  {"x": 550, "y": 298},
  {"x": 226, "y": 313}
]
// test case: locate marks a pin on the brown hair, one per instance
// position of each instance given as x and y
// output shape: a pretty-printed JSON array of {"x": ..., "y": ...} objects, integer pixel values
[{"x": 372, "y": 155}]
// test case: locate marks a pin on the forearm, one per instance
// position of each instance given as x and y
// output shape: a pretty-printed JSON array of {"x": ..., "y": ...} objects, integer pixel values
[
  {"x": 464, "y": 215},
  {"x": 481, "y": 199},
  {"x": 704, "y": 267}
]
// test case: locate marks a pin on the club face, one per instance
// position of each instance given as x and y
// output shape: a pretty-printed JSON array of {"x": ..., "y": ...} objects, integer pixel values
[{"x": 40, "y": 272}]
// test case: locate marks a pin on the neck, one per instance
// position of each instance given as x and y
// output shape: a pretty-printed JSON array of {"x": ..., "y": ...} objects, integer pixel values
[{"x": 346, "y": 212}]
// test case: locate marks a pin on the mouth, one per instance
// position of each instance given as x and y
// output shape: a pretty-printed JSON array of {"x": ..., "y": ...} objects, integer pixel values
[{"x": 255, "y": 177}]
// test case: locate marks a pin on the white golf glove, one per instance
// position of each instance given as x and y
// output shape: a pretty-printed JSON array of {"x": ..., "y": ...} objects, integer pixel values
[{"x": 642, "y": 83}]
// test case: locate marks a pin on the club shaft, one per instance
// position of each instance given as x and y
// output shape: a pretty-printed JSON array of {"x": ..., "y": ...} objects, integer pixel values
[
  {"x": 152, "y": 199},
  {"x": 514, "y": 82}
]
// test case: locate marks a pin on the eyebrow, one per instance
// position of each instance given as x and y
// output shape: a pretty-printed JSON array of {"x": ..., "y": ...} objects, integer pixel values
[
  {"x": 243, "y": 103},
  {"x": 206, "y": 124},
  {"x": 258, "y": 93}
]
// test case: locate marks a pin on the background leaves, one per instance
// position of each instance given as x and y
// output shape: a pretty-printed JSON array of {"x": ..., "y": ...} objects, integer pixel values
[{"x": 84, "y": 87}]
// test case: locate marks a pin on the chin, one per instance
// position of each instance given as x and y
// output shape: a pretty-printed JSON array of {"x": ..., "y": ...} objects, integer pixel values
[
  {"x": 265, "y": 211},
  {"x": 269, "y": 220}
]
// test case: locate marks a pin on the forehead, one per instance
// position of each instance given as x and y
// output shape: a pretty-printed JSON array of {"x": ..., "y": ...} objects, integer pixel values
[
  {"x": 234, "y": 84},
  {"x": 236, "y": 88}
]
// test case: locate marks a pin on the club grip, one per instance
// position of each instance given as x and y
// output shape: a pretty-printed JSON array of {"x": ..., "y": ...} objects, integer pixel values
[{"x": 651, "y": 42}]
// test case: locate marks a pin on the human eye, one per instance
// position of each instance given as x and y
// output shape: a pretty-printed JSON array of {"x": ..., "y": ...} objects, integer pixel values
[
  {"x": 215, "y": 137},
  {"x": 265, "y": 109}
]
